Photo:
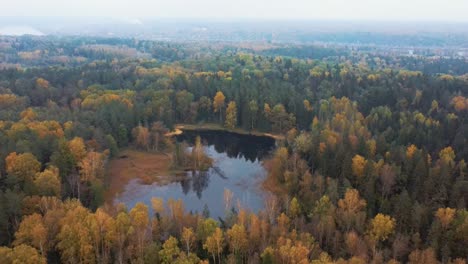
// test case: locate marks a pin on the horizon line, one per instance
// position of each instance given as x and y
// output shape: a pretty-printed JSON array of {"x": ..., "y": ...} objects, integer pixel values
[{"x": 237, "y": 19}]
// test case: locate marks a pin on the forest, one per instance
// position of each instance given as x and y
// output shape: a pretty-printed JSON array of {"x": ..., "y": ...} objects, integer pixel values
[{"x": 369, "y": 164}]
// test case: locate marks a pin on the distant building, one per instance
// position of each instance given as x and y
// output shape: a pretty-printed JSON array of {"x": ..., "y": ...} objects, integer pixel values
[{"x": 411, "y": 52}]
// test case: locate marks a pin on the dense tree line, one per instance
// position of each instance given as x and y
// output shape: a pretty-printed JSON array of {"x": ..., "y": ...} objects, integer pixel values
[{"x": 371, "y": 169}]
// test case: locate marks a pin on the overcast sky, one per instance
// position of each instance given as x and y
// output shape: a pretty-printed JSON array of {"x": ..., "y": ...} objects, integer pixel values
[{"x": 401, "y": 10}]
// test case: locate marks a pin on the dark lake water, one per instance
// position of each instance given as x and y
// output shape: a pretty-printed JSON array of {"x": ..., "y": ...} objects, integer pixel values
[{"x": 237, "y": 167}]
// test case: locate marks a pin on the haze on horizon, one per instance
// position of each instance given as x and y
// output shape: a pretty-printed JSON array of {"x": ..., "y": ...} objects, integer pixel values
[{"x": 380, "y": 10}]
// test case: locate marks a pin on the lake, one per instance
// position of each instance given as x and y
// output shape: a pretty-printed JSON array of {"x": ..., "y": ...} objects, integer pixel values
[{"x": 237, "y": 167}]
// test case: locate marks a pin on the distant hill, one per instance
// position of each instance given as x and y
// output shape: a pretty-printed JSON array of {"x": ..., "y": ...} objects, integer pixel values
[{"x": 20, "y": 31}]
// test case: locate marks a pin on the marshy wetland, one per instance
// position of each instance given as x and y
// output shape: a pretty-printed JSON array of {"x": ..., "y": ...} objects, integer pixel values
[{"x": 236, "y": 169}]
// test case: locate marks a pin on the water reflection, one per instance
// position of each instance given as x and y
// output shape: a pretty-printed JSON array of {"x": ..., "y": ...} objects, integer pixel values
[
  {"x": 237, "y": 167},
  {"x": 196, "y": 181},
  {"x": 252, "y": 148}
]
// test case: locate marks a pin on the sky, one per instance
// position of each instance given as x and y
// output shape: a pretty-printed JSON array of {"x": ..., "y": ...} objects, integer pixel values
[{"x": 382, "y": 10}]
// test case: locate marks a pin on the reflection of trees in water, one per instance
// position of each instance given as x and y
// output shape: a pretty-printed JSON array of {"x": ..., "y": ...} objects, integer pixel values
[
  {"x": 197, "y": 181},
  {"x": 234, "y": 145},
  {"x": 251, "y": 148},
  {"x": 201, "y": 180},
  {"x": 186, "y": 185}
]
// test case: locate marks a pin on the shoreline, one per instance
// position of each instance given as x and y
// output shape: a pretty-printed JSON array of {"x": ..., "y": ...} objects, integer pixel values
[{"x": 179, "y": 129}]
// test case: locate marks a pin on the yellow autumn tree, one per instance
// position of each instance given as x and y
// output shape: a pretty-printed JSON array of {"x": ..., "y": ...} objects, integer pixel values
[
  {"x": 218, "y": 104},
  {"x": 141, "y": 136},
  {"x": 292, "y": 252},
  {"x": 157, "y": 204},
  {"x": 91, "y": 167},
  {"x": 75, "y": 241},
  {"x": 123, "y": 230},
  {"x": 294, "y": 208},
  {"x": 188, "y": 238},
  {"x": 101, "y": 226},
  {"x": 214, "y": 244},
  {"x": 22, "y": 254},
  {"x": 351, "y": 210},
  {"x": 381, "y": 227},
  {"x": 410, "y": 150},
  {"x": 238, "y": 241},
  {"x": 447, "y": 155},
  {"x": 77, "y": 148},
  {"x": 231, "y": 115},
  {"x": 139, "y": 216},
  {"x": 22, "y": 167},
  {"x": 445, "y": 216},
  {"x": 426, "y": 256},
  {"x": 460, "y": 103},
  {"x": 28, "y": 115},
  {"x": 32, "y": 232},
  {"x": 42, "y": 83},
  {"x": 255, "y": 231},
  {"x": 47, "y": 183},
  {"x": 170, "y": 251},
  {"x": 359, "y": 162},
  {"x": 11, "y": 101}
]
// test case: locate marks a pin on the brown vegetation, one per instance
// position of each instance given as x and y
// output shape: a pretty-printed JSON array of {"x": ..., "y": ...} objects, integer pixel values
[{"x": 146, "y": 166}]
